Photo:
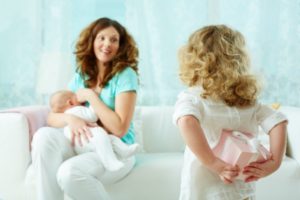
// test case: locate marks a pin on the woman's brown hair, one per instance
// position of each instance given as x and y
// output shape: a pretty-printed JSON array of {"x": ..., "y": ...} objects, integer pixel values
[{"x": 86, "y": 60}]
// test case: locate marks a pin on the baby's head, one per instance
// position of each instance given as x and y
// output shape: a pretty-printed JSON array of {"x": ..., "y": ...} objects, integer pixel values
[{"x": 62, "y": 100}]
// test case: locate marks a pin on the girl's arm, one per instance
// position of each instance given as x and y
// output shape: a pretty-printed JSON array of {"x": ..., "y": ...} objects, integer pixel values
[
  {"x": 278, "y": 142},
  {"x": 195, "y": 139},
  {"x": 256, "y": 170},
  {"x": 116, "y": 122}
]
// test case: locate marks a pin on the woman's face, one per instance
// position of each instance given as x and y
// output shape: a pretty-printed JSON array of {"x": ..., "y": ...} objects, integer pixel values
[{"x": 106, "y": 44}]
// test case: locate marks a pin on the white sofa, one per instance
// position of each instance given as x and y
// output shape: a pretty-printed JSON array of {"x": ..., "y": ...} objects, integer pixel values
[{"x": 156, "y": 175}]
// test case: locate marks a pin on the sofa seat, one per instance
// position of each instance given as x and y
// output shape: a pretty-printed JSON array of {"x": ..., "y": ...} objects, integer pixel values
[
  {"x": 156, "y": 175},
  {"x": 156, "y": 170},
  {"x": 282, "y": 184}
]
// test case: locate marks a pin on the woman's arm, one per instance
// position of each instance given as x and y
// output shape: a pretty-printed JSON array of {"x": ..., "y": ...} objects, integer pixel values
[
  {"x": 57, "y": 120},
  {"x": 77, "y": 125},
  {"x": 195, "y": 139},
  {"x": 60, "y": 120},
  {"x": 116, "y": 122}
]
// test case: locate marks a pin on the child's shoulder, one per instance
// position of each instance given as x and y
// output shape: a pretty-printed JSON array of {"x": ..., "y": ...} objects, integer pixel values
[
  {"x": 194, "y": 94},
  {"x": 190, "y": 96},
  {"x": 187, "y": 94},
  {"x": 191, "y": 92}
]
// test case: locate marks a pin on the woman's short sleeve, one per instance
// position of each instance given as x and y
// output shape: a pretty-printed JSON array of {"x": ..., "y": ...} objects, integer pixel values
[
  {"x": 127, "y": 81},
  {"x": 267, "y": 117},
  {"x": 187, "y": 104},
  {"x": 76, "y": 83}
]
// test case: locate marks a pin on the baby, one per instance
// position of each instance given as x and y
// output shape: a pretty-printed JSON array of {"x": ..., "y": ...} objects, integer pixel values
[{"x": 107, "y": 146}]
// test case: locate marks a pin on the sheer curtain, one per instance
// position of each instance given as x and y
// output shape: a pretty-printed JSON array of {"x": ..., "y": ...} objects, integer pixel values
[
  {"x": 62, "y": 23},
  {"x": 271, "y": 28},
  {"x": 37, "y": 40},
  {"x": 20, "y": 38},
  {"x": 160, "y": 28},
  {"x": 37, "y": 34}
]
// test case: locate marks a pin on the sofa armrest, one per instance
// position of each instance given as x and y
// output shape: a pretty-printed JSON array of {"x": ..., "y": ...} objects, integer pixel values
[
  {"x": 14, "y": 151},
  {"x": 36, "y": 116},
  {"x": 15, "y": 127},
  {"x": 293, "y": 128}
]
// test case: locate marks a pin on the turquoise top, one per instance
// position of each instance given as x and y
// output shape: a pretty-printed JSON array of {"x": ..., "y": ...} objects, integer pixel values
[{"x": 124, "y": 81}]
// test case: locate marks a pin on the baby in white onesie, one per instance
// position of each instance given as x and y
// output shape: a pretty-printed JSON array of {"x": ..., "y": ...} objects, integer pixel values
[{"x": 109, "y": 147}]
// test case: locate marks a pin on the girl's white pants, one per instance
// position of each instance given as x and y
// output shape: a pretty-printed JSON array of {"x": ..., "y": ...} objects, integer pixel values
[{"x": 59, "y": 170}]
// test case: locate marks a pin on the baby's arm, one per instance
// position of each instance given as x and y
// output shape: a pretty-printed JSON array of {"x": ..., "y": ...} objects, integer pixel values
[
  {"x": 84, "y": 113},
  {"x": 277, "y": 148},
  {"x": 195, "y": 139}
]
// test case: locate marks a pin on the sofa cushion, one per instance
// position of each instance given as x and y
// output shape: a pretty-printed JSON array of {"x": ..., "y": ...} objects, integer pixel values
[
  {"x": 293, "y": 115},
  {"x": 155, "y": 176},
  {"x": 158, "y": 132},
  {"x": 284, "y": 181},
  {"x": 138, "y": 125},
  {"x": 36, "y": 116},
  {"x": 152, "y": 174}
]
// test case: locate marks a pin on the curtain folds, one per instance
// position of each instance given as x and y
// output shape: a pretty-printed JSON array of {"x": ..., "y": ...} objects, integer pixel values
[
  {"x": 272, "y": 31},
  {"x": 37, "y": 29}
]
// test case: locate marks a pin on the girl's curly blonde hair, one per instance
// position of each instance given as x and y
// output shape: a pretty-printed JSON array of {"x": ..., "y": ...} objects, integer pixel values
[
  {"x": 86, "y": 60},
  {"x": 215, "y": 58}
]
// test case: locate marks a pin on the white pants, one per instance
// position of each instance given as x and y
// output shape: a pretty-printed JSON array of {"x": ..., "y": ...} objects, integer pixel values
[{"x": 59, "y": 171}]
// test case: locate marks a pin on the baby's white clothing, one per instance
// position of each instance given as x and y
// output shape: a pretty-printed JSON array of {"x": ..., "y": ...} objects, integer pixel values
[
  {"x": 198, "y": 182},
  {"x": 104, "y": 144}
]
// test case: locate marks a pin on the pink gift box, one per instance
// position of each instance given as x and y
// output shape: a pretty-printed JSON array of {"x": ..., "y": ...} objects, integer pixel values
[{"x": 240, "y": 149}]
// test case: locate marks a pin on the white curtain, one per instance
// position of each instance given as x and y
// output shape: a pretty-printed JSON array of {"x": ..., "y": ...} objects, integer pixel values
[
  {"x": 271, "y": 28},
  {"x": 160, "y": 28},
  {"x": 37, "y": 40},
  {"x": 38, "y": 34}
]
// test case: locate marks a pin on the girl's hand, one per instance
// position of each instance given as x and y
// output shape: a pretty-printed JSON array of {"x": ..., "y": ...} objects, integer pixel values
[
  {"x": 257, "y": 170},
  {"x": 79, "y": 128},
  {"x": 85, "y": 94},
  {"x": 226, "y": 172}
]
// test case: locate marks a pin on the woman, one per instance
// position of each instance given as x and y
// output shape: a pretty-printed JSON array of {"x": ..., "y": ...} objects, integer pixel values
[{"x": 106, "y": 79}]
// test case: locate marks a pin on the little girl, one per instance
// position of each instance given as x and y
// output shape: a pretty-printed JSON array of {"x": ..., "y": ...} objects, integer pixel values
[{"x": 222, "y": 94}]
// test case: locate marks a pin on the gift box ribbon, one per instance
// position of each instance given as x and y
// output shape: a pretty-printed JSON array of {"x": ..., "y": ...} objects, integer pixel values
[{"x": 251, "y": 141}]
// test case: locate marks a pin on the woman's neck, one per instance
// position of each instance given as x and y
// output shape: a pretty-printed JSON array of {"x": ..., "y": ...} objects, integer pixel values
[{"x": 101, "y": 71}]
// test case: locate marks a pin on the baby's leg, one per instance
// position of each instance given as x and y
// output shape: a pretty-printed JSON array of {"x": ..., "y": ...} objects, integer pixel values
[
  {"x": 122, "y": 149},
  {"x": 103, "y": 147}
]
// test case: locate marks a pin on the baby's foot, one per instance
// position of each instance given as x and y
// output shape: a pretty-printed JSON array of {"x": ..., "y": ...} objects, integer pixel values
[
  {"x": 113, "y": 165},
  {"x": 130, "y": 150}
]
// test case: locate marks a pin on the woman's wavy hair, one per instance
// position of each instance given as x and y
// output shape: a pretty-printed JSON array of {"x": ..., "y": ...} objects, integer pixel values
[
  {"x": 86, "y": 60},
  {"x": 215, "y": 58}
]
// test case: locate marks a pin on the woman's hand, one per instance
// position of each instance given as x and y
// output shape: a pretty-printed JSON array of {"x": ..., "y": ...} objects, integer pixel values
[
  {"x": 79, "y": 128},
  {"x": 85, "y": 94},
  {"x": 257, "y": 170},
  {"x": 226, "y": 172}
]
